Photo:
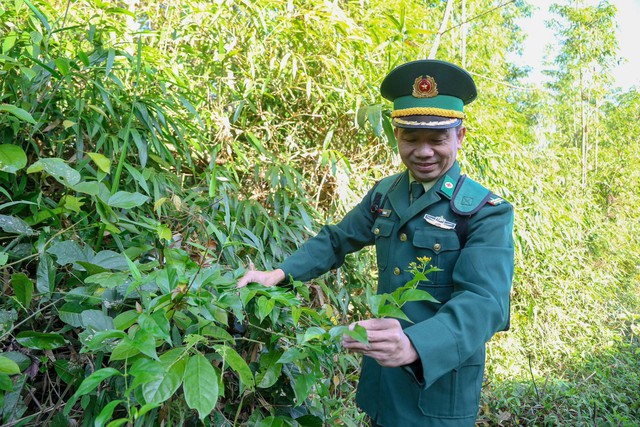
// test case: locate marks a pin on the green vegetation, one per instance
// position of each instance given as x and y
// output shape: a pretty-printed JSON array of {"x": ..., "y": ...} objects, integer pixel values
[{"x": 149, "y": 152}]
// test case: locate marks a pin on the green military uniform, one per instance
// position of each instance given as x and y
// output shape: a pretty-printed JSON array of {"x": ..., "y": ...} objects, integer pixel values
[{"x": 443, "y": 387}]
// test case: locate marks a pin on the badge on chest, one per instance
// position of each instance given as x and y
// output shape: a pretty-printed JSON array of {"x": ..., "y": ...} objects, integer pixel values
[{"x": 440, "y": 222}]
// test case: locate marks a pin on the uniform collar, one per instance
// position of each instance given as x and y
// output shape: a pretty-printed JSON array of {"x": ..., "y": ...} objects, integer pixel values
[{"x": 446, "y": 185}]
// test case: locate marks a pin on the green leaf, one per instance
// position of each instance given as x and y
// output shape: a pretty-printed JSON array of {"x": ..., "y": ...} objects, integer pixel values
[
  {"x": 146, "y": 343},
  {"x": 302, "y": 387},
  {"x": 5, "y": 383},
  {"x": 416, "y": 295},
  {"x": 8, "y": 366},
  {"x": 309, "y": 421},
  {"x": 269, "y": 370},
  {"x": 92, "y": 188},
  {"x": 133, "y": 268},
  {"x": 106, "y": 413},
  {"x": 22, "y": 288},
  {"x": 39, "y": 15},
  {"x": 96, "y": 320},
  {"x": 62, "y": 64},
  {"x": 89, "y": 384},
  {"x": 375, "y": 302},
  {"x": 358, "y": 333},
  {"x": 71, "y": 313},
  {"x": 23, "y": 361},
  {"x": 103, "y": 163},
  {"x": 265, "y": 307},
  {"x": 67, "y": 252},
  {"x": 12, "y": 158},
  {"x": 45, "y": 275},
  {"x": 312, "y": 333},
  {"x": 164, "y": 232},
  {"x": 58, "y": 169},
  {"x": 157, "y": 325},
  {"x": 40, "y": 340},
  {"x": 18, "y": 112},
  {"x": 238, "y": 364},
  {"x": 14, "y": 225},
  {"x": 292, "y": 355},
  {"x": 161, "y": 388},
  {"x": 124, "y": 350},
  {"x": 392, "y": 311},
  {"x": 127, "y": 200},
  {"x": 125, "y": 319},
  {"x": 107, "y": 279},
  {"x": 101, "y": 339},
  {"x": 200, "y": 385}
]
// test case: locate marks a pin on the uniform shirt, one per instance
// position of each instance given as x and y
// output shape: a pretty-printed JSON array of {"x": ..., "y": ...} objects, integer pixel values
[{"x": 473, "y": 289}]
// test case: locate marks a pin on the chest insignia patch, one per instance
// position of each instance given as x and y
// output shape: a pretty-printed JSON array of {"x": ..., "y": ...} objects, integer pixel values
[
  {"x": 385, "y": 213},
  {"x": 496, "y": 201},
  {"x": 440, "y": 222}
]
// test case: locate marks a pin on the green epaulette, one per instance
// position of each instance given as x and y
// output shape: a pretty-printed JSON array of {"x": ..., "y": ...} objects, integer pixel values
[{"x": 469, "y": 196}]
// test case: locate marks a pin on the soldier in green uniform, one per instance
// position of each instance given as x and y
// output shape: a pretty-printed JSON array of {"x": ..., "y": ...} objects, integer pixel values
[{"x": 427, "y": 373}]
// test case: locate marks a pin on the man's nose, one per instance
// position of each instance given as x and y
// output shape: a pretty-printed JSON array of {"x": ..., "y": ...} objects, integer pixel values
[{"x": 424, "y": 150}]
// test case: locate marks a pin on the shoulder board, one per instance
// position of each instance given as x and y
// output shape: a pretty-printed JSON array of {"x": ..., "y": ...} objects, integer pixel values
[{"x": 469, "y": 196}]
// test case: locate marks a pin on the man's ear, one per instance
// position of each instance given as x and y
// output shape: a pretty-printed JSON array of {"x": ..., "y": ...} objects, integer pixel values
[{"x": 461, "y": 132}]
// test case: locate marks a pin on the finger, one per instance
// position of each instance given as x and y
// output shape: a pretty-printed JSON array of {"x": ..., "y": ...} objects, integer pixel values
[
  {"x": 377, "y": 324},
  {"x": 245, "y": 280}
]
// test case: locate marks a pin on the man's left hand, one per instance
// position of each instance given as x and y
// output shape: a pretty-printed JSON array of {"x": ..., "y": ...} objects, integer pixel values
[{"x": 388, "y": 343}]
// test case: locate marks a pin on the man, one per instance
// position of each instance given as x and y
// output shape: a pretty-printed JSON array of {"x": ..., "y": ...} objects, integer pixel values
[{"x": 427, "y": 373}]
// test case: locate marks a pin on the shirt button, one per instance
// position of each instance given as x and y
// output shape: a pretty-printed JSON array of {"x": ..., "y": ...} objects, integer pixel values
[
  {"x": 437, "y": 247},
  {"x": 376, "y": 231},
  {"x": 396, "y": 271},
  {"x": 403, "y": 237}
]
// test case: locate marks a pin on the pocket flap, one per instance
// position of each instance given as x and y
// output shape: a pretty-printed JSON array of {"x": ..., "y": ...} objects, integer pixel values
[
  {"x": 382, "y": 227},
  {"x": 435, "y": 239}
]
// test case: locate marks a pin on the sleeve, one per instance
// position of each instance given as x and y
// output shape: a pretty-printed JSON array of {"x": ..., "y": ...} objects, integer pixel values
[
  {"x": 479, "y": 306},
  {"x": 328, "y": 249}
]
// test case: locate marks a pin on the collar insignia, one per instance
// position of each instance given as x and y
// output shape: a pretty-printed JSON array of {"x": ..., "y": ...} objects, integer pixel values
[
  {"x": 440, "y": 222},
  {"x": 496, "y": 201},
  {"x": 425, "y": 87}
]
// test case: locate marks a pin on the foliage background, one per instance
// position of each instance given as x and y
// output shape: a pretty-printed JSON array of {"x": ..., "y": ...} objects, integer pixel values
[{"x": 150, "y": 151}]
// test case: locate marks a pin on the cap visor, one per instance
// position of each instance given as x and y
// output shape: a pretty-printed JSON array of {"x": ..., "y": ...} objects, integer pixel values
[{"x": 426, "y": 122}]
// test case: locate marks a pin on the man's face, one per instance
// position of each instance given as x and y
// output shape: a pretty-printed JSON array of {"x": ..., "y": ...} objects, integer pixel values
[{"x": 429, "y": 153}]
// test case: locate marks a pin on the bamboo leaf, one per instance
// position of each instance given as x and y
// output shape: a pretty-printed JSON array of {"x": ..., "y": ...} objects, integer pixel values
[
  {"x": 106, "y": 413},
  {"x": 89, "y": 384},
  {"x": 18, "y": 112}
]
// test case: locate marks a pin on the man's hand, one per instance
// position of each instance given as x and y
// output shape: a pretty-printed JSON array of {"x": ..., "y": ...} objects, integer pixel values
[
  {"x": 265, "y": 278},
  {"x": 388, "y": 343}
]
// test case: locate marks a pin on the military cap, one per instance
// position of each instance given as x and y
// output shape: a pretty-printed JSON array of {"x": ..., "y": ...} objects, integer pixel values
[{"x": 428, "y": 94}]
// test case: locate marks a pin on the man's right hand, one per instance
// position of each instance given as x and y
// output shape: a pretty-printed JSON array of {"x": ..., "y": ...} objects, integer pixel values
[{"x": 265, "y": 278}]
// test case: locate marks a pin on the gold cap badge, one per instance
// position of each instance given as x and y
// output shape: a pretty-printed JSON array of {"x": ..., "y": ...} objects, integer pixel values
[{"x": 425, "y": 87}]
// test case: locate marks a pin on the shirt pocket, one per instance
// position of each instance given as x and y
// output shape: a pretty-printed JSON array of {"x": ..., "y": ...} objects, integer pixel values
[
  {"x": 443, "y": 247},
  {"x": 457, "y": 393},
  {"x": 382, "y": 230}
]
